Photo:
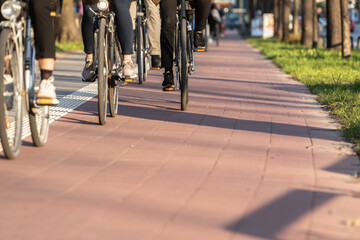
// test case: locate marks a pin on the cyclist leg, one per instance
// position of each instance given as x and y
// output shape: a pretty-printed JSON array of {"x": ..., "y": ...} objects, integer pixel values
[
  {"x": 45, "y": 46},
  {"x": 154, "y": 29},
  {"x": 125, "y": 33},
  {"x": 87, "y": 31},
  {"x": 168, "y": 25},
  {"x": 202, "y": 10}
]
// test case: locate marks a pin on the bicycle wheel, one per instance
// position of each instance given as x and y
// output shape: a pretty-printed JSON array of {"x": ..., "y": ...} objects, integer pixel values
[
  {"x": 146, "y": 47},
  {"x": 183, "y": 65},
  {"x": 39, "y": 116},
  {"x": 217, "y": 34},
  {"x": 139, "y": 49},
  {"x": 207, "y": 30},
  {"x": 10, "y": 95},
  {"x": 102, "y": 71},
  {"x": 114, "y": 61}
]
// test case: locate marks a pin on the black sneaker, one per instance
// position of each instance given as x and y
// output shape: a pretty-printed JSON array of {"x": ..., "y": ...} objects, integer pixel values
[
  {"x": 155, "y": 62},
  {"x": 199, "y": 41},
  {"x": 168, "y": 83},
  {"x": 88, "y": 73}
]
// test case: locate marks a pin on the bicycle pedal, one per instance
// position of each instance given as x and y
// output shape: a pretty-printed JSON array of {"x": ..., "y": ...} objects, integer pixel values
[
  {"x": 201, "y": 49},
  {"x": 169, "y": 89},
  {"x": 128, "y": 80},
  {"x": 47, "y": 102}
]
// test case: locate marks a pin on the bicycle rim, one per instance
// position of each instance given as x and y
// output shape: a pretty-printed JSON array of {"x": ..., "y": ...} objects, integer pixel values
[
  {"x": 102, "y": 72},
  {"x": 10, "y": 96}
]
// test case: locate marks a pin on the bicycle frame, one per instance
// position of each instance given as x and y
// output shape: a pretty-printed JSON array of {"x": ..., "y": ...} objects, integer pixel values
[{"x": 21, "y": 29}]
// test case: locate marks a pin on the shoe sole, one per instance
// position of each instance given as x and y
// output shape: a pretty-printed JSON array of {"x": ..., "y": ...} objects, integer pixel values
[{"x": 88, "y": 80}]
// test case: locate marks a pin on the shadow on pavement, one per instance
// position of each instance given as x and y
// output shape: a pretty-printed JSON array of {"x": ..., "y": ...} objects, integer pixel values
[
  {"x": 217, "y": 121},
  {"x": 268, "y": 221}
]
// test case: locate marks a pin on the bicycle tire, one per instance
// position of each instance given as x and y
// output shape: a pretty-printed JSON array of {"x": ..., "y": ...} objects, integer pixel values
[
  {"x": 217, "y": 34},
  {"x": 113, "y": 90},
  {"x": 207, "y": 37},
  {"x": 183, "y": 65},
  {"x": 139, "y": 49},
  {"x": 147, "y": 57},
  {"x": 11, "y": 104},
  {"x": 39, "y": 116},
  {"x": 102, "y": 72}
]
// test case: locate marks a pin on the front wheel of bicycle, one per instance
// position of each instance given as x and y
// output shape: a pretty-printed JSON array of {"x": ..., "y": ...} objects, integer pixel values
[
  {"x": 39, "y": 116},
  {"x": 183, "y": 65},
  {"x": 102, "y": 72},
  {"x": 11, "y": 99}
]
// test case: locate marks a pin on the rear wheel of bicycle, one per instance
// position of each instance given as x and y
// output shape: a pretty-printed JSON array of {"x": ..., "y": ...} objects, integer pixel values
[
  {"x": 114, "y": 59},
  {"x": 10, "y": 96},
  {"x": 102, "y": 72},
  {"x": 140, "y": 49},
  {"x": 147, "y": 56},
  {"x": 207, "y": 30},
  {"x": 39, "y": 116},
  {"x": 217, "y": 34},
  {"x": 183, "y": 65}
]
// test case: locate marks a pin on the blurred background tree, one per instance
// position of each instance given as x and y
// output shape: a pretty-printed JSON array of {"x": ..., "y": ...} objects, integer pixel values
[{"x": 67, "y": 25}]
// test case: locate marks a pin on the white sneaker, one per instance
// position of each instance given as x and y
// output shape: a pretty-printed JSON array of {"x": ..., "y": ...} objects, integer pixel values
[
  {"x": 129, "y": 71},
  {"x": 47, "y": 89}
]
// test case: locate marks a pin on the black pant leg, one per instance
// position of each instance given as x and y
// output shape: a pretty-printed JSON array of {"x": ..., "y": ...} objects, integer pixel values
[
  {"x": 202, "y": 10},
  {"x": 124, "y": 27},
  {"x": 87, "y": 28},
  {"x": 168, "y": 25},
  {"x": 43, "y": 28}
]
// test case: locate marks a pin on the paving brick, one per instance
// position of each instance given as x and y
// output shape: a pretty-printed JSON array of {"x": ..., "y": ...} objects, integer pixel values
[{"x": 254, "y": 157}]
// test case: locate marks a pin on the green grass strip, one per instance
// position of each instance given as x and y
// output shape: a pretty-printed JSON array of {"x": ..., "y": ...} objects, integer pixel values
[
  {"x": 69, "y": 46},
  {"x": 334, "y": 80}
]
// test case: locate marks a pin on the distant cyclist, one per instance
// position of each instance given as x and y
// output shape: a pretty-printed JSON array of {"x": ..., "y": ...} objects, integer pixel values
[
  {"x": 214, "y": 19},
  {"x": 153, "y": 26},
  {"x": 124, "y": 29},
  {"x": 168, "y": 25}
]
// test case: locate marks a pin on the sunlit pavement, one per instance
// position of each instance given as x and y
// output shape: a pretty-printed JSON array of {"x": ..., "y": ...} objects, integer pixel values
[{"x": 253, "y": 157}]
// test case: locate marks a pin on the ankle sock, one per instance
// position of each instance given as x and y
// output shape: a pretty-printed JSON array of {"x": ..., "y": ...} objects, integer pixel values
[{"x": 45, "y": 74}]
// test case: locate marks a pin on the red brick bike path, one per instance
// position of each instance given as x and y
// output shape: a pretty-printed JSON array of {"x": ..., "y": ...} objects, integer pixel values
[{"x": 253, "y": 157}]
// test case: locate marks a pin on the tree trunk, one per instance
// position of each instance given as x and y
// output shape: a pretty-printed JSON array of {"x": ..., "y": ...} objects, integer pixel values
[
  {"x": 285, "y": 18},
  {"x": 315, "y": 26},
  {"x": 296, "y": 16},
  {"x": 280, "y": 19},
  {"x": 334, "y": 39},
  {"x": 345, "y": 25},
  {"x": 268, "y": 6},
  {"x": 307, "y": 23},
  {"x": 276, "y": 19},
  {"x": 66, "y": 28}
]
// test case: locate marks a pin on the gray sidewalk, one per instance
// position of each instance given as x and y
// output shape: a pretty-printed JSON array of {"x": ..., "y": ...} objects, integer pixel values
[{"x": 254, "y": 157}]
